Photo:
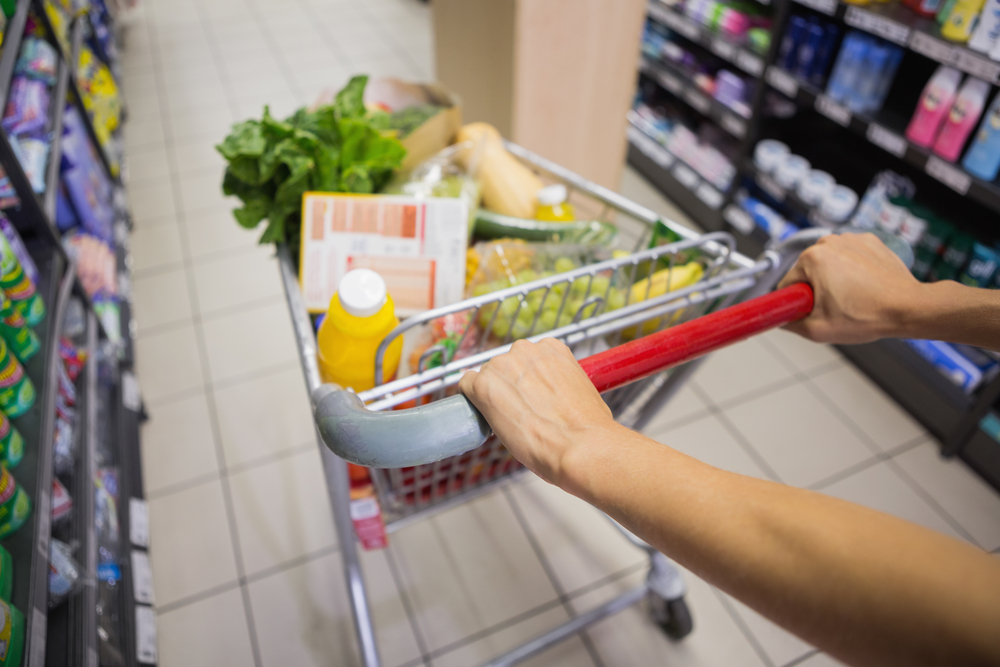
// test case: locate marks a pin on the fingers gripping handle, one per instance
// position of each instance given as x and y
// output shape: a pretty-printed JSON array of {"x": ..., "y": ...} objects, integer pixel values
[{"x": 401, "y": 438}]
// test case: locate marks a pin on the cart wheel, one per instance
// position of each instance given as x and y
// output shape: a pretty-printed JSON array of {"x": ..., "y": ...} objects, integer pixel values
[{"x": 671, "y": 615}]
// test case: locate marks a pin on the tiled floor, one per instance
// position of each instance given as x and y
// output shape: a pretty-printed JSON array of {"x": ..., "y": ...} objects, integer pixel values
[{"x": 246, "y": 565}]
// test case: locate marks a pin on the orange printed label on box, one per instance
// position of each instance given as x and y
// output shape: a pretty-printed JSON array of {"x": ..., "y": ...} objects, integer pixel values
[{"x": 368, "y": 525}]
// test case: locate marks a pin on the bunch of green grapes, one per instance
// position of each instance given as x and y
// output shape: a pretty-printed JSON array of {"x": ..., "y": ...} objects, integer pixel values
[{"x": 542, "y": 310}]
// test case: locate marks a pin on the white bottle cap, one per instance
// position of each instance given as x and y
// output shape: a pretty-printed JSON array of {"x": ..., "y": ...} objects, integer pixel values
[
  {"x": 361, "y": 292},
  {"x": 552, "y": 195}
]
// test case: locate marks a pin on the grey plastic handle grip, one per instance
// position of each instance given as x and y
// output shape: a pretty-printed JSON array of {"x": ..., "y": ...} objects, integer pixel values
[{"x": 396, "y": 438}]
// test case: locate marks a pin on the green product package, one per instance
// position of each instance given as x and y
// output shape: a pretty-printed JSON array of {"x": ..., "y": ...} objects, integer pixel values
[
  {"x": 6, "y": 575},
  {"x": 958, "y": 251},
  {"x": 937, "y": 236},
  {"x": 15, "y": 506},
  {"x": 15, "y": 330},
  {"x": 11, "y": 635},
  {"x": 17, "y": 393},
  {"x": 19, "y": 287},
  {"x": 11, "y": 442}
]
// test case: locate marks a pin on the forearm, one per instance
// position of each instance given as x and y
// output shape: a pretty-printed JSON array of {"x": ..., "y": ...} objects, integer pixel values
[
  {"x": 854, "y": 582},
  {"x": 949, "y": 311}
]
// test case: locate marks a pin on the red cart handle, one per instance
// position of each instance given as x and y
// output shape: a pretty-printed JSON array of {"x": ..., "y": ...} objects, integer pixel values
[
  {"x": 401, "y": 438},
  {"x": 674, "y": 346}
]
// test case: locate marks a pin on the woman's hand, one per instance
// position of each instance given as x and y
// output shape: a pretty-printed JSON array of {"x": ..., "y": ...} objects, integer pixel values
[
  {"x": 541, "y": 405},
  {"x": 863, "y": 290}
]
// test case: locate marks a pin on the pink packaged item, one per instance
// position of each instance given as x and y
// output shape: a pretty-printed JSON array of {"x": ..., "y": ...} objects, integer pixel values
[
  {"x": 962, "y": 118},
  {"x": 933, "y": 107}
]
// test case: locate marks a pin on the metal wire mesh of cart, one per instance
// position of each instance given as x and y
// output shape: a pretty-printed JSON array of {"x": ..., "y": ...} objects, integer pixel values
[{"x": 591, "y": 308}]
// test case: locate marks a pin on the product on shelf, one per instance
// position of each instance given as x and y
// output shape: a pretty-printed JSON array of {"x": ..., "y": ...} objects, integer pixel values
[
  {"x": 935, "y": 103},
  {"x": 982, "y": 267},
  {"x": 106, "y": 514},
  {"x": 863, "y": 72},
  {"x": 765, "y": 217},
  {"x": 86, "y": 196},
  {"x": 983, "y": 157},
  {"x": 17, "y": 393},
  {"x": 961, "y": 20},
  {"x": 6, "y": 574},
  {"x": 361, "y": 314},
  {"x": 11, "y": 443},
  {"x": 815, "y": 187},
  {"x": 95, "y": 263},
  {"x": 64, "y": 573},
  {"x": 738, "y": 19},
  {"x": 73, "y": 357},
  {"x": 15, "y": 506},
  {"x": 100, "y": 96},
  {"x": 21, "y": 339},
  {"x": 962, "y": 118},
  {"x": 14, "y": 240},
  {"x": 11, "y": 635},
  {"x": 37, "y": 60},
  {"x": 987, "y": 30},
  {"x": 884, "y": 186},
  {"x": 62, "y": 502},
  {"x": 27, "y": 107},
  {"x": 19, "y": 287},
  {"x": 955, "y": 365},
  {"x": 807, "y": 47}
]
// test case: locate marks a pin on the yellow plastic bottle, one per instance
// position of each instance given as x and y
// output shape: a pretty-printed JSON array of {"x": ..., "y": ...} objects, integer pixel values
[
  {"x": 361, "y": 314},
  {"x": 961, "y": 21},
  {"x": 552, "y": 206}
]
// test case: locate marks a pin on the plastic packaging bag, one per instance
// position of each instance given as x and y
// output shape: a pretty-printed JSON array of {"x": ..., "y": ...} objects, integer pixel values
[
  {"x": 439, "y": 176},
  {"x": 38, "y": 60},
  {"x": 64, "y": 573}
]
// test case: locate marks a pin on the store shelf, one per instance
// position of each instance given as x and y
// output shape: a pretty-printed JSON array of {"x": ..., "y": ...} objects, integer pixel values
[
  {"x": 698, "y": 198},
  {"x": 12, "y": 37},
  {"x": 751, "y": 240},
  {"x": 52, "y": 169},
  {"x": 950, "y": 175},
  {"x": 679, "y": 84},
  {"x": 898, "y": 24},
  {"x": 723, "y": 46},
  {"x": 982, "y": 453},
  {"x": 788, "y": 199}
]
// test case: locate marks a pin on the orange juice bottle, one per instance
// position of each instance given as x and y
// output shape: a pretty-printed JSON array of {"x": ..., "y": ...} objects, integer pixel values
[{"x": 360, "y": 316}]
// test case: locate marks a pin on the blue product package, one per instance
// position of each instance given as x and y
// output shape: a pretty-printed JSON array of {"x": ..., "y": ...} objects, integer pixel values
[
  {"x": 66, "y": 218},
  {"x": 862, "y": 98},
  {"x": 950, "y": 362},
  {"x": 982, "y": 266},
  {"x": 888, "y": 76},
  {"x": 794, "y": 36},
  {"x": 822, "y": 60},
  {"x": 982, "y": 160},
  {"x": 808, "y": 50},
  {"x": 852, "y": 54},
  {"x": 986, "y": 364}
]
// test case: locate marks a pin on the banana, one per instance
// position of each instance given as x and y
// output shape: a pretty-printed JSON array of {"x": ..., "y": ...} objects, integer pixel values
[{"x": 658, "y": 284}]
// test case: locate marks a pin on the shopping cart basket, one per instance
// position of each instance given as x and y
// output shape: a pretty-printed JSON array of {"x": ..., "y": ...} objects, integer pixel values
[{"x": 440, "y": 453}]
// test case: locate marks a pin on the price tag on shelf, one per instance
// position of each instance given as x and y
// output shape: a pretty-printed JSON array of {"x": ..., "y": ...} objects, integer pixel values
[
  {"x": 39, "y": 628},
  {"x": 836, "y": 112},
  {"x": 670, "y": 82},
  {"x": 863, "y": 19},
  {"x": 750, "y": 63},
  {"x": 949, "y": 174},
  {"x": 145, "y": 634},
  {"x": 723, "y": 49},
  {"x": 709, "y": 195},
  {"x": 138, "y": 522},
  {"x": 685, "y": 175},
  {"x": 733, "y": 125},
  {"x": 738, "y": 218},
  {"x": 977, "y": 66},
  {"x": 672, "y": 19},
  {"x": 886, "y": 140},
  {"x": 768, "y": 185},
  {"x": 931, "y": 47},
  {"x": 650, "y": 148},
  {"x": 782, "y": 81},
  {"x": 697, "y": 100},
  {"x": 828, "y": 7},
  {"x": 142, "y": 577}
]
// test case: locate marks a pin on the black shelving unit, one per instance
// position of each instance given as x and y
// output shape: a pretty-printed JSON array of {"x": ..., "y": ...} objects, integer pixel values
[
  {"x": 67, "y": 635},
  {"x": 943, "y": 408}
]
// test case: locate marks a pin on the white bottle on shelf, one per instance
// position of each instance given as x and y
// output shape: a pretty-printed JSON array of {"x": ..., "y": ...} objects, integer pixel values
[{"x": 986, "y": 36}]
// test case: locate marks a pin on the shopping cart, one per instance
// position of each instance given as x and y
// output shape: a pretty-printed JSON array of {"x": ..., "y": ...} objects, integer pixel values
[{"x": 428, "y": 458}]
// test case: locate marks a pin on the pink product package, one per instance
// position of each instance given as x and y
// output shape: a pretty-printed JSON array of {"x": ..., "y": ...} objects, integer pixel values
[
  {"x": 962, "y": 119},
  {"x": 933, "y": 106}
]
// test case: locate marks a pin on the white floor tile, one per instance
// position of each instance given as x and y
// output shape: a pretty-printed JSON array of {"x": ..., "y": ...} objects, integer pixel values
[
  {"x": 168, "y": 363},
  {"x": 190, "y": 546},
  {"x": 202, "y": 190},
  {"x": 707, "y": 440},
  {"x": 632, "y": 638},
  {"x": 887, "y": 424},
  {"x": 282, "y": 511},
  {"x": 151, "y": 165},
  {"x": 970, "y": 501},
  {"x": 469, "y": 569},
  {"x": 206, "y": 633},
  {"x": 781, "y": 646},
  {"x": 250, "y": 341},
  {"x": 264, "y": 416},
  {"x": 208, "y": 126},
  {"x": 214, "y": 232},
  {"x": 151, "y": 203},
  {"x": 197, "y": 156},
  {"x": 579, "y": 542},
  {"x": 155, "y": 247},
  {"x": 177, "y": 444},
  {"x": 237, "y": 280},
  {"x": 821, "y": 660},
  {"x": 160, "y": 299},
  {"x": 798, "y": 436},
  {"x": 881, "y": 489},
  {"x": 303, "y": 616},
  {"x": 681, "y": 407},
  {"x": 739, "y": 371},
  {"x": 803, "y": 354}
]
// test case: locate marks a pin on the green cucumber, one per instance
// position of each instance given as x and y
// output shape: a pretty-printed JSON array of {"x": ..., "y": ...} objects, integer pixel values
[{"x": 490, "y": 225}]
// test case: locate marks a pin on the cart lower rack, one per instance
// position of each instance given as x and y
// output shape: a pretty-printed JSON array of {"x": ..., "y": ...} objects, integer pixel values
[{"x": 624, "y": 321}]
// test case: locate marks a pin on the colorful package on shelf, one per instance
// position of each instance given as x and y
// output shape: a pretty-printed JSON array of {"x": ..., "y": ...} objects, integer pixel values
[
  {"x": 108, "y": 311},
  {"x": 27, "y": 106},
  {"x": 15, "y": 506},
  {"x": 106, "y": 514},
  {"x": 21, "y": 339},
  {"x": 64, "y": 573},
  {"x": 38, "y": 60},
  {"x": 863, "y": 72},
  {"x": 17, "y": 245},
  {"x": 59, "y": 15},
  {"x": 100, "y": 94},
  {"x": 11, "y": 635},
  {"x": 62, "y": 502},
  {"x": 19, "y": 287},
  {"x": 73, "y": 357},
  {"x": 95, "y": 263},
  {"x": 64, "y": 447},
  {"x": 17, "y": 392},
  {"x": 952, "y": 364},
  {"x": 33, "y": 154},
  {"x": 11, "y": 443},
  {"x": 89, "y": 190}
]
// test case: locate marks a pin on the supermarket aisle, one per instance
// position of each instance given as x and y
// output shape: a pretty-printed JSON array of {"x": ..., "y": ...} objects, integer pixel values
[{"x": 246, "y": 567}]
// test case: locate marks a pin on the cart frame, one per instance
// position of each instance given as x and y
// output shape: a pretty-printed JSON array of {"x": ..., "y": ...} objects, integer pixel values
[{"x": 634, "y": 405}]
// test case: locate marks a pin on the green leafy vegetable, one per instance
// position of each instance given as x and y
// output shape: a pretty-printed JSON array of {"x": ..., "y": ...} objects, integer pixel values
[{"x": 272, "y": 163}]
